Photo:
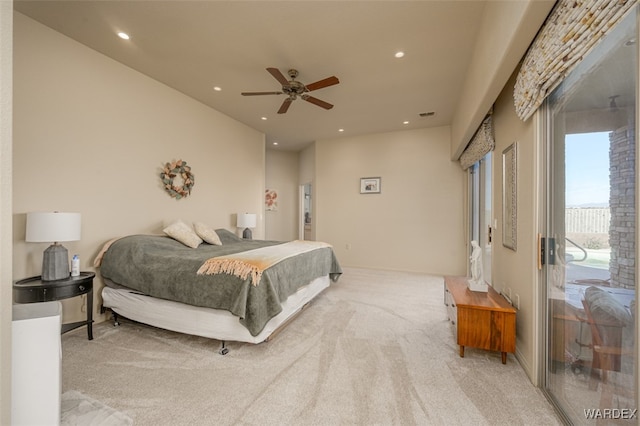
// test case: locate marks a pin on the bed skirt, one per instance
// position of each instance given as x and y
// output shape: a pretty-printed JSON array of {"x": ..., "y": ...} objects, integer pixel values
[{"x": 211, "y": 323}]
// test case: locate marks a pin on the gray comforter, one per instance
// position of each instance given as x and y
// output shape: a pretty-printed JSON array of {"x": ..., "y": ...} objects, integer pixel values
[{"x": 161, "y": 267}]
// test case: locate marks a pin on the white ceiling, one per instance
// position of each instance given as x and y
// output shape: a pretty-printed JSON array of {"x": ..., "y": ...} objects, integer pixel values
[{"x": 193, "y": 46}]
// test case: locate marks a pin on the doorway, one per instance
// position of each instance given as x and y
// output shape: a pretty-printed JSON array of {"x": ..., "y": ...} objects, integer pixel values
[
  {"x": 481, "y": 202},
  {"x": 306, "y": 213},
  {"x": 590, "y": 236}
]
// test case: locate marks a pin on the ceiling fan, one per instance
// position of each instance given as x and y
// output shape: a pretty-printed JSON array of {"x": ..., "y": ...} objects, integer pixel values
[{"x": 293, "y": 88}]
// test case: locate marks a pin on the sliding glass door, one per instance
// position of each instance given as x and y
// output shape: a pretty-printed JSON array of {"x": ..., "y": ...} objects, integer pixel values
[
  {"x": 481, "y": 216},
  {"x": 590, "y": 271}
]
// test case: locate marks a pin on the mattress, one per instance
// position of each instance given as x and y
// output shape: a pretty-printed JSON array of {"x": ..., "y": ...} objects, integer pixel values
[{"x": 211, "y": 323}]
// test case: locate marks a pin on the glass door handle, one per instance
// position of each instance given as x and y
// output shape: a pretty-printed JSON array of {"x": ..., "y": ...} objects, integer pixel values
[{"x": 546, "y": 251}]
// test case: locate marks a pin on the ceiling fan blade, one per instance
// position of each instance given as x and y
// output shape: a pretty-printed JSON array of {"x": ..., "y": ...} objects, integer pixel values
[
  {"x": 285, "y": 106},
  {"x": 275, "y": 72},
  {"x": 260, "y": 93},
  {"x": 317, "y": 101},
  {"x": 329, "y": 81}
]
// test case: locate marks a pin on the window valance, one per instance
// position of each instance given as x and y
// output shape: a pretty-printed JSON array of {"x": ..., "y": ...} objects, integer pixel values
[
  {"x": 572, "y": 28},
  {"x": 481, "y": 144}
]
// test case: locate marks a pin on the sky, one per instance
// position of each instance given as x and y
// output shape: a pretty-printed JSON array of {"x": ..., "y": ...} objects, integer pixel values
[{"x": 587, "y": 169}]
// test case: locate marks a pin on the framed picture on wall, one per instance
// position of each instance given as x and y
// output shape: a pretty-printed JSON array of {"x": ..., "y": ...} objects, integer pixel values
[
  {"x": 370, "y": 185},
  {"x": 510, "y": 197},
  {"x": 271, "y": 199}
]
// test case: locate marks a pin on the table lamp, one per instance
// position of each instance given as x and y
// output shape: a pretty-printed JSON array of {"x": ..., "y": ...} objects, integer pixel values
[
  {"x": 246, "y": 221},
  {"x": 53, "y": 227}
]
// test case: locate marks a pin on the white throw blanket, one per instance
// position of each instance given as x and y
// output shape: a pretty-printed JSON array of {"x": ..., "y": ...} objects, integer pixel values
[{"x": 254, "y": 262}]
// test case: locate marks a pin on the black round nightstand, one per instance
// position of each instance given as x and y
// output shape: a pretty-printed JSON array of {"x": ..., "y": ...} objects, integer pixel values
[{"x": 34, "y": 289}]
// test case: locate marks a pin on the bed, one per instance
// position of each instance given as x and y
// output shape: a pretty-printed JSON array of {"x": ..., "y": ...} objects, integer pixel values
[{"x": 230, "y": 290}]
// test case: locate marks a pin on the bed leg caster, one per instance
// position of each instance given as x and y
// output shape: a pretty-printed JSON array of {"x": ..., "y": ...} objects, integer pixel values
[
  {"x": 115, "y": 319},
  {"x": 223, "y": 350}
]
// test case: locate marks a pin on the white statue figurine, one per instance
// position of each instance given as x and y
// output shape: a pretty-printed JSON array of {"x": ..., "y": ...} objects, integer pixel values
[{"x": 476, "y": 283}]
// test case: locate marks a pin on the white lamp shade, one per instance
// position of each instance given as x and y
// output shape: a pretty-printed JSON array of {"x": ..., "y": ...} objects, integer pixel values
[
  {"x": 52, "y": 227},
  {"x": 246, "y": 220}
]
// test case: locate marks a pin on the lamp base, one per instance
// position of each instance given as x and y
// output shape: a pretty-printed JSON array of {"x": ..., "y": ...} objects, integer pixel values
[
  {"x": 55, "y": 263},
  {"x": 246, "y": 234}
]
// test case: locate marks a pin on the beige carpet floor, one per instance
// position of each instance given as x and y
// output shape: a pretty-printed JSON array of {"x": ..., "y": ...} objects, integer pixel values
[
  {"x": 373, "y": 349},
  {"x": 78, "y": 410}
]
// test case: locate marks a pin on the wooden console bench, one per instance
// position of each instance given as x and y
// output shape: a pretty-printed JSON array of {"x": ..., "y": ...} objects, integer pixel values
[{"x": 481, "y": 320}]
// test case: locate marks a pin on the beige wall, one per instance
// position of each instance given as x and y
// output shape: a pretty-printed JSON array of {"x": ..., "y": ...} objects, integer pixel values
[
  {"x": 515, "y": 272},
  {"x": 507, "y": 29},
  {"x": 498, "y": 50},
  {"x": 282, "y": 175},
  {"x": 415, "y": 224},
  {"x": 6, "y": 93},
  {"x": 307, "y": 169},
  {"x": 91, "y": 135}
]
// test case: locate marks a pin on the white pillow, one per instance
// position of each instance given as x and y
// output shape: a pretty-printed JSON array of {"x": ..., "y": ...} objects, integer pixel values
[
  {"x": 182, "y": 232},
  {"x": 207, "y": 233}
]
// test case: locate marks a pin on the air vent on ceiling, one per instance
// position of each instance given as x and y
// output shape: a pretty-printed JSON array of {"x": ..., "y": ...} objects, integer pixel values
[{"x": 427, "y": 114}]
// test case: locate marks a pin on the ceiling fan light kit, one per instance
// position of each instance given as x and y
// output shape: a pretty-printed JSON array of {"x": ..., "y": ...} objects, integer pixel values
[{"x": 294, "y": 89}]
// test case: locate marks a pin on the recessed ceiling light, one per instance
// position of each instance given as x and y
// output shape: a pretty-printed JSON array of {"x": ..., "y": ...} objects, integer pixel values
[
  {"x": 275, "y": 143},
  {"x": 341, "y": 130},
  {"x": 399, "y": 54},
  {"x": 264, "y": 118},
  {"x": 123, "y": 36},
  {"x": 405, "y": 122},
  {"x": 217, "y": 88}
]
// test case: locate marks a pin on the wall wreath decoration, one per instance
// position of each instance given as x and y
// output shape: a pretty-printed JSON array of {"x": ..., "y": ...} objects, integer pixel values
[{"x": 185, "y": 179}]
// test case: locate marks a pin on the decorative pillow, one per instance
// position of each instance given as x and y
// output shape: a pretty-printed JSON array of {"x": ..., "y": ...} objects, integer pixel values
[
  {"x": 227, "y": 236},
  {"x": 182, "y": 232},
  {"x": 207, "y": 233}
]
